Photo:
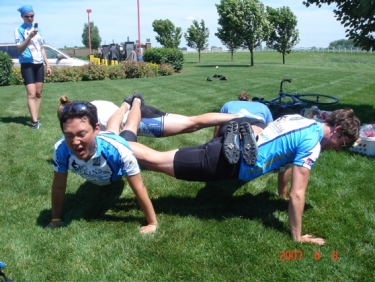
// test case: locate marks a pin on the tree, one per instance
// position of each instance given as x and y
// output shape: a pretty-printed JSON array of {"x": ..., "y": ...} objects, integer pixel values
[
  {"x": 168, "y": 36},
  {"x": 247, "y": 19},
  {"x": 228, "y": 36},
  {"x": 342, "y": 43},
  {"x": 284, "y": 35},
  {"x": 358, "y": 16},
  {"x": 94, "y": 35},
  {"x": 197, "y": 36}
]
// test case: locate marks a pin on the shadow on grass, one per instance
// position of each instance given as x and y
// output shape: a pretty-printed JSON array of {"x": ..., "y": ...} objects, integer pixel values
[
  {"x": 92, "y": 202},
  {"x": 20, "y": 120},
  {"x": 214, "y": 201},
  {"x": 220, "y": 206}
]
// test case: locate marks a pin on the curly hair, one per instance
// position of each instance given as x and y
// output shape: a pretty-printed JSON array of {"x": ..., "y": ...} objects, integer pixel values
[
  {"x": 349, "y": 122},
  {"x": 244, "y": 96}
]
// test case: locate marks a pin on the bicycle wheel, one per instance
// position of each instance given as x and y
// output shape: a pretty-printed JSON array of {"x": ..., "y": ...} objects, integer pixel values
[{"x": 319, "y": 99}]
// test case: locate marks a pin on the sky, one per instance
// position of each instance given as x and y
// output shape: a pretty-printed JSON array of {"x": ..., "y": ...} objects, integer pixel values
[{"x": 62, "y": 22}]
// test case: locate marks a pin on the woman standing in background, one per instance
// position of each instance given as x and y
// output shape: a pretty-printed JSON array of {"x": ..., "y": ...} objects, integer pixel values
[{"x": 32, "y": 59}]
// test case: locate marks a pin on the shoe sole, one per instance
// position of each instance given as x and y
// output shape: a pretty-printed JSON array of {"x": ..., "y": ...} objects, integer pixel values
[
  {"x": 230, "y": 147},
  {"x": 250, "y": 146}
]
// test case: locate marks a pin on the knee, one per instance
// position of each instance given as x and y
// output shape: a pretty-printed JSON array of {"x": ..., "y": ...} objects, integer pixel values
[
  {"x": 194, "y": 123},
  {"x": 38, "y": 95}
]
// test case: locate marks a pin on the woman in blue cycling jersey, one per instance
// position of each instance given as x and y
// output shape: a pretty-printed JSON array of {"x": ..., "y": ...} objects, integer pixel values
[{"x": 32, "y": 59}]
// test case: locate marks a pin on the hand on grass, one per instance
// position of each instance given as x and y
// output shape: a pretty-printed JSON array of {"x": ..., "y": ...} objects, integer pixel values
[
  {"x": 53, "y": 224},
  {"x": 151, "y": 228},
  {"x": 309, "y": 239}
]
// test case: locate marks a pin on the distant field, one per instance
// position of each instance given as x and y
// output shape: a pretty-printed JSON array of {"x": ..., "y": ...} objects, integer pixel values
[{"x": 221, "y": 231}]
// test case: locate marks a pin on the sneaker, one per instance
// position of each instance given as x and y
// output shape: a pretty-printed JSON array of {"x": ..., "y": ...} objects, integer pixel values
[
  {"x": 128, "y": 100},
  {"x": 140, "y": 97},
  {"x": 231, "y": 146},
  {"x": 209, "y": 78},
  {"x": 223, "y": 78},
  {"x": 250, "y": 147},
  {"x": 36, "y": 125}
]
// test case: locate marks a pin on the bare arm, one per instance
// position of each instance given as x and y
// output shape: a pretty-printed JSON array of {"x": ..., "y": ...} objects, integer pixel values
[
  {"x": 139, "y": 189},
  {"x": 282, "y": 183},
  {"x": 297, "y": 205},
  {"x": 57, "y": 197},
  {"x": 48, "y": 71},
  {"x": 22, "y": 47}
]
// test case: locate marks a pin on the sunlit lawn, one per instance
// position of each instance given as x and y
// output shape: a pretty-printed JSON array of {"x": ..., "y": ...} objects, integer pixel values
[{"x": 207, "y": 231}]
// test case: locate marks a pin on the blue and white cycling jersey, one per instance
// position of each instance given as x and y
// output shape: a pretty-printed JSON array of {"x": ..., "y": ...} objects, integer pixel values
[
  {"x": 291, "y": 139},
  {"x": 33, "y": 52},
  {"x": 113, "y": 159},
  {"x": 255, "y": 110}
]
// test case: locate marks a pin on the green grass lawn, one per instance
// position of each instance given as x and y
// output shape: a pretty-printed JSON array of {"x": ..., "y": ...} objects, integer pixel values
[{"x": 220, "y": 231}]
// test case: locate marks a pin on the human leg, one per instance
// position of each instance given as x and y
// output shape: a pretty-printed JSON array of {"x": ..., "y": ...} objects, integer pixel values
[
  {"x": 114, "y": 122},
  {"x": 33, "y": 76},
  {"x": 31, "y": 102},
  {"x": 134, "y": 116},
  {"x": 154, "y": 160},
  {"x": 177, "y": 124}
]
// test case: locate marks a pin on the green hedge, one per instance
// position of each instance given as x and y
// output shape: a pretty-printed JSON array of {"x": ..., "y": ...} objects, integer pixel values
[
  {"x": 171, "y": 56},
  {"x": 6, "y": 65},
  {"x": 95, "y": 72}
]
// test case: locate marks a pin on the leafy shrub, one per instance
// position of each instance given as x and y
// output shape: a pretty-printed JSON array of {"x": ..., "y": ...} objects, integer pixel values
[
  {"x": 94, "y": 72},
  {"x": 165, "y": 69},
  {"x": 137, "y": 69},
  {"x": 68, "y": 74},
  {"x": 6, "y": 65},
  {"x": 16, "y": 76},
  {"x": 116, "y": 72},
  {"x": 172, "y": 56}
]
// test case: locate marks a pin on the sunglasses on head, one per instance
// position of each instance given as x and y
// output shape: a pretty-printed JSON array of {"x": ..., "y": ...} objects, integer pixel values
[
  {"x": 30, "y": 17},
  {"x": 76, "y": 106}
]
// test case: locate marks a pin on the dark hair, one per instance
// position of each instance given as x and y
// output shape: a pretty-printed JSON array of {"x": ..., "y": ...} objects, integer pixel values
[
  {"x": 79, "y": 109},
  {"x": 244, "y": 96},
  {"x": 349, "y": 122}
]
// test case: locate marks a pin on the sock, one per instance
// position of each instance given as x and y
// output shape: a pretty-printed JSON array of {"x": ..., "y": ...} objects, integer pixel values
[{"x": 127, "y": 105}]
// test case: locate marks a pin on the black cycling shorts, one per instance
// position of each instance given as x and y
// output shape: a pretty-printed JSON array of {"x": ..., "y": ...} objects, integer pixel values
[
  {"x": 204, "y": 163},
  {"x": 32, "y": 73},
  {"x": 207, "y": 162},
  {"x": 128, "y": 135}
]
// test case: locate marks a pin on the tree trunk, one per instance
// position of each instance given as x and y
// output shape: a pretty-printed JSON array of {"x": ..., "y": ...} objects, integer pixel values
[
  {"x": 231, "y": 55},
  {"x": 199, "y": 54},
  {"x": 251, "y": 57},
  {"x": 283, "y": 58}
]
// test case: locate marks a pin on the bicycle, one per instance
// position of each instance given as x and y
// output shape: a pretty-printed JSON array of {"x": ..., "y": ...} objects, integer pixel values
[{"x": 294, "y": 102}]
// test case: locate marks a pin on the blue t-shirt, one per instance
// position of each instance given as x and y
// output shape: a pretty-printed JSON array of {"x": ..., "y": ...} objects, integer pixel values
[
  {"x": 113, "y": 158},
  {"x": 33, "y": 52},
  {"x": 254, "y": 110},
  {"x": 291, "y": 139}
]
